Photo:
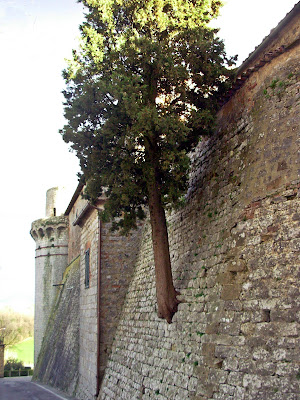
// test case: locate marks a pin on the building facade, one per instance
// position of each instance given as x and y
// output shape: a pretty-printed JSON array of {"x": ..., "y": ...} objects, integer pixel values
[{"x": 82, "y": 270}]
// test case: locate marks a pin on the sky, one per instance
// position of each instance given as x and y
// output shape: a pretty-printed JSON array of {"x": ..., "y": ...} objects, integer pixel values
[{"x": 36, "y": 36}]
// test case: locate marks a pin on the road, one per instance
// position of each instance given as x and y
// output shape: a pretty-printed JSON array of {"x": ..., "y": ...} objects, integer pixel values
[{"x": 21, "y": 388}]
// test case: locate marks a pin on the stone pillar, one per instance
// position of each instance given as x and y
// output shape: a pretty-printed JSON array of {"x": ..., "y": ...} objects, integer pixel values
[
  {"x": 2, "y": 360},
  {"x": 51, "y": 259}
]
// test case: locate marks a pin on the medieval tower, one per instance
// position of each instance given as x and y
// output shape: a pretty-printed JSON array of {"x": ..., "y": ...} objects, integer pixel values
[{"x": 51, "y": 259}]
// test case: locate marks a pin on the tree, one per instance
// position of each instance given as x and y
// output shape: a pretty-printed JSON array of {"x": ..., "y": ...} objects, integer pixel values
[
  {"x": 13, "y": 364},
  {"x": 14, "y": 327},
  {"x": 141, "y": 90}
]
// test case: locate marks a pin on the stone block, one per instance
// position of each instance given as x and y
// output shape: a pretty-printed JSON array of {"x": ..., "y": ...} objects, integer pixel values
[
  {"x": 236, "y": 266},
  {"x": 208, "y": 350},
  {"x": 225, "y": 278},
  {"x": 206, "y": 389},
  {"x": 231, "y": 291},
  {"x": 212, "y": 328}
]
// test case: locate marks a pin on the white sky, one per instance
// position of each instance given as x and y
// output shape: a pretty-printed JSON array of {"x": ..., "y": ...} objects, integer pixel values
[{"x": 35, "y": 38}]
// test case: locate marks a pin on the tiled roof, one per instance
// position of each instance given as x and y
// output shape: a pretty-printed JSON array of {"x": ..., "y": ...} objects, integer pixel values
[
  {"x": 241, "y": 79},
  {"x": 243, "y": 73}
]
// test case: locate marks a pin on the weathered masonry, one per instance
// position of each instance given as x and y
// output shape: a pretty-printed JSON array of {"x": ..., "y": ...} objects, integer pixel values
[
  {"x": 51, "y": 259},
  {"x": 82, "y": 276},
  {"x": 235, "y": 258}
]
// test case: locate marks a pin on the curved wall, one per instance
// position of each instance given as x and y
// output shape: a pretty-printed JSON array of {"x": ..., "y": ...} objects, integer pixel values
[{"x": 51, "y": 259}]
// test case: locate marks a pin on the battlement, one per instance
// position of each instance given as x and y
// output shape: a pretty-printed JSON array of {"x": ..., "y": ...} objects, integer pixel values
[{"x": 49, "y": 229}]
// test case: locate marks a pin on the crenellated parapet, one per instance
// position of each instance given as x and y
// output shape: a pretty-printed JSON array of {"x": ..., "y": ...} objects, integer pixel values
[
  {"x": 50, "y": 236},
  {"x": 50, "y": 231}
]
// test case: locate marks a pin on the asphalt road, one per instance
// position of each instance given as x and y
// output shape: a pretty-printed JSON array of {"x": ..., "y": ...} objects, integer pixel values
[{"x": 21, "y": 388}]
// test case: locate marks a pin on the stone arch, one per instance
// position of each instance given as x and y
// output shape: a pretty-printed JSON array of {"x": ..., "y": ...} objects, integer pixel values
[
  {"x": 50, "y": 232},
  {"x": 41, "y": 233},
  {"x": 34, "y": 235},
  {"x": 60, "y": 231}
]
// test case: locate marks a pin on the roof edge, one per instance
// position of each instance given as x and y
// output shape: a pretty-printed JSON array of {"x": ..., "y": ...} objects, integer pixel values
[
  {"x": 87, "y": 209},
  {"x": 267, "y": 40},
  {"x": 74, "y": 198}
]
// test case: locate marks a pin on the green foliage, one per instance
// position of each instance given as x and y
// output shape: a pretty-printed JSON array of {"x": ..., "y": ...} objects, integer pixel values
[
  {"x": 14, "y": 326},
  {"x": 23, "y": 351},
  {"x": 274, "y": 83},
  {"x": 146, "y": 81},
  {"x": 13, "y": 363},
  {"x": 276, "y": 88}
]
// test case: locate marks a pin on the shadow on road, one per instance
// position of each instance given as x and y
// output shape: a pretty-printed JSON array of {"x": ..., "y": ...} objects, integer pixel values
[{"x": 22, "y": 388}]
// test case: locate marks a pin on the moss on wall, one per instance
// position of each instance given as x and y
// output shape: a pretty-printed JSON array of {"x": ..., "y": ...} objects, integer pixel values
[{"x": 57, "y": 363}]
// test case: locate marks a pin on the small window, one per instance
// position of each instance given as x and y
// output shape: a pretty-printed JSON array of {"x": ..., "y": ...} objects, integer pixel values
[{"x": 87, "y": 269}]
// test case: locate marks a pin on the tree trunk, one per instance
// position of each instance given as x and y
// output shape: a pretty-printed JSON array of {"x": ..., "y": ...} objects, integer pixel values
[{"x": 165, "y": 292}]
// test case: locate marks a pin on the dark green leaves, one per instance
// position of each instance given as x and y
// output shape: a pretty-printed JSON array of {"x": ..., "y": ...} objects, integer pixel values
[{"x": 147, "y": 79}]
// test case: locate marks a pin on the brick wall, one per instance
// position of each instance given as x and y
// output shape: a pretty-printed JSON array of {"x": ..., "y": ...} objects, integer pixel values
[{"x": 234, "y": 250}]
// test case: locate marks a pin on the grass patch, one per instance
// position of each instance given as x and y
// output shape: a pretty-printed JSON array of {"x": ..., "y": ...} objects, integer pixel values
[{"x": 22, "y": 351}]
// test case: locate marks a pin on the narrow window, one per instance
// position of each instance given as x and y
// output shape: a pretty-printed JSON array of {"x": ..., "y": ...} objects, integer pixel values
[
  {"x": 54, "y": 212},
  {"x": 87, "y": 269}
]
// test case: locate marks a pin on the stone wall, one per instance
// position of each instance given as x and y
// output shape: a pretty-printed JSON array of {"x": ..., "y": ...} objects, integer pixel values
[
  {"x": 234, "y": 251},
  {"x": 75, "y": 230},
  {"x": 88, "y": 310},
  {"x": 118, "y": 258},
  {"x": 51, "y": 259},
  {"x": 58, "y": 359},
  {"x": 118, "y": 255}
]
